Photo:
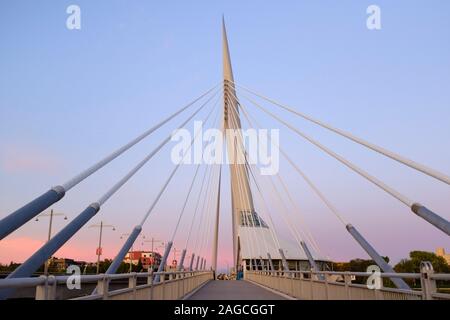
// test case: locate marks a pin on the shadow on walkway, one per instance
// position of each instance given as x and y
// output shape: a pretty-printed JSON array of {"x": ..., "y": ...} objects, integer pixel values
[{"x": 234, "y": 290}]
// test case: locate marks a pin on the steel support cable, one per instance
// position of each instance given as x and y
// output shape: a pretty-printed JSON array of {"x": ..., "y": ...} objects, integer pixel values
[
  {"x": 207, "y": 223},
  {"x": 205, "y": 241},
  {"x": 192, "y": 257},
  {"x": 138, "y": 229},
  {"x": 268, "y": 213},
  {"x": 197, "y": 170},
  {"x": 205, "y": 174},
  {"x": 170, "y": 244},
  {"x": 202, "y": 212},
  {"x": 215, "y": 244},
  {"x": 249, "y": 226},
  {"x": 233, "y": 118},
  {"x": 240, "y": 188},
  {"x": 307, "y": 233},
  {"x": 416, "y": 208},
  {"x": 244, "y": 214},
  {"x": 247, "y": 116},
  {"x": 48, "y": 249},
  {"x": 204, "y": 226},
  {"x": 22, "y": 215},
  {"x": 394, "y": 156},
  {"x": 205, "y": 236},
  {"x": 350, "y": 228},
  {"x": 188, "y": 194},
  {"x": 299, "y": 239},
  {"x": 173, "y": 173},
  {"x": 307, "y": 180},
  {"x": 286, "y": 218},
  {"x": 203, "y": 216},
  {"x": 211, "y": 202}
]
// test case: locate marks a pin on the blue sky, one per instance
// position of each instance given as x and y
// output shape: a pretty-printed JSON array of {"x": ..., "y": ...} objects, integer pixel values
[{"x": 67, "y": 98}]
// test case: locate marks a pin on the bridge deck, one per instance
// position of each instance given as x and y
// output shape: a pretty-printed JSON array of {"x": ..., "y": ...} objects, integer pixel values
[{"x": 234, "y": 290}]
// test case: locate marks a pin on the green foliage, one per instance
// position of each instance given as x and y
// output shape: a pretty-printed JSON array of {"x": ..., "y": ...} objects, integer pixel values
[
  {"x": 139, "y": 267},
  {"x": 412, "y": 265},
  {"x": 123, "y": 268},
  {"x": 9, "y": 268}
]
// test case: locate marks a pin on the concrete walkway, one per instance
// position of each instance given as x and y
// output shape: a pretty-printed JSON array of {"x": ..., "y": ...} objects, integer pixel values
[{"x": 234, "y": 290}]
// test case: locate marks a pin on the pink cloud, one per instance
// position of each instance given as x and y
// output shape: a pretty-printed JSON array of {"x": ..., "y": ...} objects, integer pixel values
[
  {"x": 25, "y": 159},
  {"x": 18, "y": 249},
  {"x": 21, "y": 248}
]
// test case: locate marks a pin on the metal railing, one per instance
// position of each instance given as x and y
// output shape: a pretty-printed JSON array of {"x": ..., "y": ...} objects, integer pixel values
[
  {"x": 172, "y": 285},
  {"x": 322, "y": 285}
]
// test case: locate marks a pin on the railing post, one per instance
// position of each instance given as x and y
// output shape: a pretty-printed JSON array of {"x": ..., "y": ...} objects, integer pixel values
[
  {"x": 428, "y": 284},
  {"x": 132, "y": 283},
  {"x": 293, "y": 284},
  {"x": 162, "y": 281},
  {"x": 183, "y": 276},
  {"x": 311, "y": 284},
  {"x": 347, "y": 281},
  {"x": 301, "y": 285},
  {"x": 150, "y": 283},
  {"x": 327, "y": 289},
  {"x": 46, "y": 291},
  {"x": 103, "y": 287}
]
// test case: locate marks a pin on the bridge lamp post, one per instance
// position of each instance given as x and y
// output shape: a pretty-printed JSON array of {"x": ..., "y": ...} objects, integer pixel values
[
  {"x": 175, "y": 250},
  {"x": 50, "y": 215},
  {"x": 99, "y": 249}
]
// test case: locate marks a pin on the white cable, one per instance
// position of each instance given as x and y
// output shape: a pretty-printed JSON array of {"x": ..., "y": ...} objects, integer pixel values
[
  {"x": 394, "y": 156},
  {"x": 88, "y": 172},
  {"x": 350, "y": 165}
]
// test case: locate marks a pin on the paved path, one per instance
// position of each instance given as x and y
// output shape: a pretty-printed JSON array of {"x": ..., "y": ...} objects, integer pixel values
[{"x": 234, "y": 290}]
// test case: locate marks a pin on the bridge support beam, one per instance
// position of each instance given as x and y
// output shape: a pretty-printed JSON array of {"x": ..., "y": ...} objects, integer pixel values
[
  {"x": 181, "y": 264},
  {"x": 311, "y": 259},
  {"x": 46, "y": 251},
  {"x": 261, "y": 261},
  {"x": 196, "y": 264},
  {"x": 124, "y": 250},
  {"x": 431, "y": 217},
  {"x": 201, "y": 263},
  {"x": 399, "y": 283},
  {"x": 283, "y": 259},
  {"x": 270, "y": 262},
  {"x": 163, "y": 263},
  {"x": 309, "y": 255},
  {"x": 216, "y": 226},
  {"x": 191, "y": 265},
  {"x": 21, "y": 216}
]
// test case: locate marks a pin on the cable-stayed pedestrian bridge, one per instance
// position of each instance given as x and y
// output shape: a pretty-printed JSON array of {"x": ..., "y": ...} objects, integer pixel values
[{"x": 271, "y": 266}]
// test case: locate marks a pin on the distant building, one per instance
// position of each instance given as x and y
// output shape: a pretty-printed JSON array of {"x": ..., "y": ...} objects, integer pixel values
[
  {"x": 147, "y": 258},
  {"x": 61, "y": 264},
  {"x": 440, "y": 252}
]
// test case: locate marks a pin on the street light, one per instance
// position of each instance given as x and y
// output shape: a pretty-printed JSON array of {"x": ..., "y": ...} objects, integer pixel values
[
  {"x": 175, "y": 250},
  {"x": 99, "y": 249},
  {"x": 50, "y": 214}
]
